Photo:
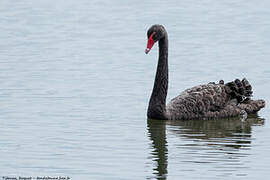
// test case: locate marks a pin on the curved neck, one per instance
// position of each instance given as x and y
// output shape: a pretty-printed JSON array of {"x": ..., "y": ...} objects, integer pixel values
[{"x": 157, "y": 104}]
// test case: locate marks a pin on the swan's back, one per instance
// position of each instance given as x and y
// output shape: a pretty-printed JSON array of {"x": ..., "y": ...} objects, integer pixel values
[{"x": 213, "y": 101}]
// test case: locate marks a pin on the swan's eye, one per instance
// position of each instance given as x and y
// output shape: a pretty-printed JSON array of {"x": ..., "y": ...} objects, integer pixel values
[{"x": 153, "y": 35}]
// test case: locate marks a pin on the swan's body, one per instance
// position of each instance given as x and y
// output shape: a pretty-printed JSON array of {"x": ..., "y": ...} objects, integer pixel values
[{"x": 200, "y": 102}]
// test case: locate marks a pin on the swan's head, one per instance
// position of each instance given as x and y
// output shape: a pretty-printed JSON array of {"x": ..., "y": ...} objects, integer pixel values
[{"x": 154, "y": 34}]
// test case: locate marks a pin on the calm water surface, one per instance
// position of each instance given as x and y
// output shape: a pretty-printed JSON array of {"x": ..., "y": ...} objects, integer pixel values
[{"x": 75, "y": 85}]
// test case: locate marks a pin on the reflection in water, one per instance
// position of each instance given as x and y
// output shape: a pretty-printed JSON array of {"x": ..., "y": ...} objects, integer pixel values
[
  {"x": 157, "y": 133},
  {"x": 201, "y": 141}
]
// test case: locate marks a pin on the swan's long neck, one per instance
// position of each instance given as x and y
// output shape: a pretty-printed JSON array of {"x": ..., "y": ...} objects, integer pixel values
[{"x": 157, "y": 104}]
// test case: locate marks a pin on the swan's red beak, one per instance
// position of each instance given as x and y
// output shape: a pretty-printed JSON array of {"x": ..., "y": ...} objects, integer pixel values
[{"x": 150, "y": 43}]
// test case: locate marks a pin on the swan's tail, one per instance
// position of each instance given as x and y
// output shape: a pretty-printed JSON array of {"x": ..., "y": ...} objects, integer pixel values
[
  {"x": 242, "y": 91},
  {"x": 252, "y": 106}
]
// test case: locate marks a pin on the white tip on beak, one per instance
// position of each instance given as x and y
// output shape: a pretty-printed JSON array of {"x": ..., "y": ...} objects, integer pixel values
[{"x": 147, "y": 50}]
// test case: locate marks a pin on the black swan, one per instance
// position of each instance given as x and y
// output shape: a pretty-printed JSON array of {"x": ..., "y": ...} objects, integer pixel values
[{"x": 200, "y": 102}]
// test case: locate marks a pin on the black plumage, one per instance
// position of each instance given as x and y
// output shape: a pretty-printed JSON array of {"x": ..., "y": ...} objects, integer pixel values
[{"x": 200, "y": 102}]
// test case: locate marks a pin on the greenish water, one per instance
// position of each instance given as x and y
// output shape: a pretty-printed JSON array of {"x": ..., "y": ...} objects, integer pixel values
[{"x": 75, "y": 85}]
